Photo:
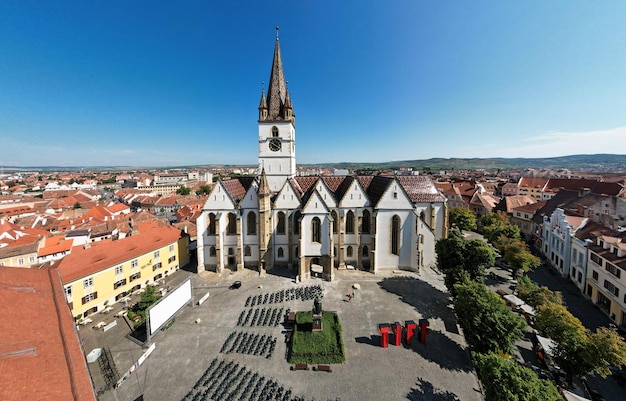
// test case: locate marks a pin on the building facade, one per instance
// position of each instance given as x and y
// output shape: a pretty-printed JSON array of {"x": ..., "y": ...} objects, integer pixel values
[{"x": 314, "y": 224}]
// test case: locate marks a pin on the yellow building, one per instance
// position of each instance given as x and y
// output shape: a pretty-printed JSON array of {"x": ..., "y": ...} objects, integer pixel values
[{"x": 104, "y": 272}]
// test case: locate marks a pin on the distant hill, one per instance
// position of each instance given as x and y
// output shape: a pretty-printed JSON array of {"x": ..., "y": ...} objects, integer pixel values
[{"x": 598, "y": 162}]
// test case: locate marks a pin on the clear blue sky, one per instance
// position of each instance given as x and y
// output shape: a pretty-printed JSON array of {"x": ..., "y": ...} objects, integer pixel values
[{"x": 163, "y": 83}]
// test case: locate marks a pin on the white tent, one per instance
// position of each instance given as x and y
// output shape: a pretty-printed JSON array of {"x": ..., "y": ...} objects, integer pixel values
[
  {"x": 513, "y": 300},
  {"x": 548, "y": 344},
  {"x": 569, "y": 396}
]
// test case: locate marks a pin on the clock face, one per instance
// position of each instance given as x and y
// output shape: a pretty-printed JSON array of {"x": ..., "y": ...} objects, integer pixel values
[{"x": 275, "y": 145}]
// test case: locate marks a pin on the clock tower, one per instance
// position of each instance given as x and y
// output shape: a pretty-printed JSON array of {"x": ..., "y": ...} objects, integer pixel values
[{"x": 277, "y": 129}]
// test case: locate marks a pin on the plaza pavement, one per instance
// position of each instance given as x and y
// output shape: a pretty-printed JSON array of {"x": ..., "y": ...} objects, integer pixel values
[{"x": 439, "y": 370}]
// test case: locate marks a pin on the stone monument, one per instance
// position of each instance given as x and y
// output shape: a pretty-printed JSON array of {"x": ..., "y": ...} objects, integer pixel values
[{"x": 317, "y": 315}]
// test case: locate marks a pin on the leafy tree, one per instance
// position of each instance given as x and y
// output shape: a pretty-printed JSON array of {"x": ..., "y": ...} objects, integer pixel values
[
  {"x": 77, "y": 205},
  {"x": 516, "y": 254},
  {"x": 461, "y": 218},
  {"x": 458, "y": 258},
  {"x": 488, "y": 324},
  {"x": 536, "y": 296},
  {"x": 579, "y": 352},
  {"x": 204, "y": 190},
  {"x": 506, "y": 380},
  {"x": 494, "y": 226},
  {"x": 183, "y": 190}
]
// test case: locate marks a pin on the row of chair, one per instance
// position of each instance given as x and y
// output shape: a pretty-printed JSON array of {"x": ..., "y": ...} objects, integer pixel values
[
  {"x": 260, "y": 317},
  {"x": 228, "y": 381},
  {"x": 305, "y": 293},
  {"x": 251, "y": 344}
]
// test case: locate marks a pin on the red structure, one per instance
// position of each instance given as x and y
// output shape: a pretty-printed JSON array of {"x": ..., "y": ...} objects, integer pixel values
[
  {"x": 423, "y": 331},
  {"x": 384, "y": 330},
  {"x": 409, "y": 326},
  {"x": 397, "y": 334}
]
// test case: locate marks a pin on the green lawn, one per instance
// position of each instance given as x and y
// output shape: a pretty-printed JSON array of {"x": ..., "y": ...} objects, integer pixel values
[{"x": 323, "y": 347}]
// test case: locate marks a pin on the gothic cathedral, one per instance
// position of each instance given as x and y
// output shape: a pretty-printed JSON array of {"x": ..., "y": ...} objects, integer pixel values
[{"x": 313, "y": 225}]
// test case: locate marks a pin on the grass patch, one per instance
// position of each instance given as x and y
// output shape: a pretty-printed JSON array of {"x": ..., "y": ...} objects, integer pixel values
[{"x": 323, "y": 347}]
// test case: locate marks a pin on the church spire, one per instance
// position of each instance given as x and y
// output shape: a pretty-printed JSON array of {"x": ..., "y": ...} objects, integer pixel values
[
  {"x": 277, "y": 89},
  {"x": 263, "y": 105}
]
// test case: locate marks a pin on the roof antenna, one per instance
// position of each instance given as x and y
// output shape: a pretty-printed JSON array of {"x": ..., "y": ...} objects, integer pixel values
[{"x": 277, "y": 28}]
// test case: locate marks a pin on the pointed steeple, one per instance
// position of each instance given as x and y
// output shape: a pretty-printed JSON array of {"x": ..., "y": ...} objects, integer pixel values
[
  {"x": 263, "y": 105},
  {"x": 264, "y": 187},
  {"x": 277, "y": 89}
]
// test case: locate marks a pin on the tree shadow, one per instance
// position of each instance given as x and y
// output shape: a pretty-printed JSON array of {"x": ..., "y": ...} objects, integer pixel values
[
  {"x": 427, "y": 300},
  {"x": 443, "y": 351},
  {"x": 425, "y": 391}
]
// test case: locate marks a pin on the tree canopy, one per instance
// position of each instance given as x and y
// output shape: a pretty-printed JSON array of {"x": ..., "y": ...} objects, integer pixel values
[
  {"x": 578, "y": 351},
  {"x": 517, "y": 256},
  {"x": 183, "y": 190},
  {"x": 458, "y": 258},
  {"x": 204, "y": 190},
  {"x": 488, "y": 324},
  {"x": 536, "y": 296},
  {"x": 506, "y": 380},
  {"x": 461, "y": 218}
]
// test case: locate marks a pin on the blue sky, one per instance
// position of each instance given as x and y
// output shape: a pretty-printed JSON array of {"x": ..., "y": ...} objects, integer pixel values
[{"x": 162, "y": 83}]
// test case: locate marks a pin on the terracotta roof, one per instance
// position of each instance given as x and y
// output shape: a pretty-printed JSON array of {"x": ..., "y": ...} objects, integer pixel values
[
  {"x": 118, "y": 207},
  {"x": 530, "y": 208},
  {"x": 103, "y": 254},
  {"x": 55, "y": 245},
  {"x": 237, "y": 187},
  {"x": 420, "y": 189},
  {"x": 532, "y": 182},
  {"x": 508, "y": 203},
  {"x": 38, "y": 335}
]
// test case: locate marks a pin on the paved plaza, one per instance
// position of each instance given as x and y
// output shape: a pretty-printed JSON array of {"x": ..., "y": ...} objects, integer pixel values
[{"x": 439, "y": 370}]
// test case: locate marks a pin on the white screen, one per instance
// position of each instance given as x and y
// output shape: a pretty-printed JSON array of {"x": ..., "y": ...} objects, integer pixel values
[{"x": 168, "y": 306}]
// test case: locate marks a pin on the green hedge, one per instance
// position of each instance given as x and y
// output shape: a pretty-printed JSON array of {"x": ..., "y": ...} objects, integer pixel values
[{"x": 322, "y": 347}]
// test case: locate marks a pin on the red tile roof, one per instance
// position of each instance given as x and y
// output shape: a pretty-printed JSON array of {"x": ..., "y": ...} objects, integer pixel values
[
  {"x": 40, "y": 354},
  {"x": 100, "y": 255}
]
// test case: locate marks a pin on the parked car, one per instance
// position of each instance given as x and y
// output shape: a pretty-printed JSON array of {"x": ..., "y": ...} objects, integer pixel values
[{"x": 235, "y": 285}]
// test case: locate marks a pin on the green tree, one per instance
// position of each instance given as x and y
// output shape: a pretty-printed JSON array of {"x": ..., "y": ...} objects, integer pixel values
[
  {"x": 183, "y": 190},
  {"x": 506, "y": 380},
  {"x": 461, "y": 218},
  {"x": 204, "y": 190},
  {"x": 458, "y": 258},
  {"x": 536, "y": 296},
  {"x": 516, "y": 254},
  {"x": 579, "y": 352},
  {"x": 77, "y": 205},
  {"x": 488, "y": 324}
]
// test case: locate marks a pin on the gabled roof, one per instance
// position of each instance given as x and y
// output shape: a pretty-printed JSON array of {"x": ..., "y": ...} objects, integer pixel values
[
  {"x": 55, "y": 245},
  {"x": 532, "y": 182},
  {"x": 508, "y": 203},
  {"x": 37, "y": 330},
  {"x": 101, "y": 255},
  {"x": 237, "y": 188},
  {"x": 561, "y": 198},
  {"x": 420, "y": 189}
]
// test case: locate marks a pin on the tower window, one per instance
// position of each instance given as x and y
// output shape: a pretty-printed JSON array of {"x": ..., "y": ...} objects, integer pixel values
[
  {"x": 281, "y": 253},
  {"x": 350, "y": 222},
  {"x": 349, "y": 251},
  {"x": 280, "y": 227},
  {"x": 316, "y": 230},
  {"x": 251, "y": 223},
  {"x": 246, "y": 251},
  {"x": 212, "y": 251},
  {"x": 211, "y": 228},
  {"x": 395, "y": 235},
  {"x": 274, "y": 131},
  {"x": 231, "y": 229}
]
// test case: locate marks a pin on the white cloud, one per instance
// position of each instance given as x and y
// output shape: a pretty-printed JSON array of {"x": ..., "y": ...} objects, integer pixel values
[{"x": 561, "y": 143}]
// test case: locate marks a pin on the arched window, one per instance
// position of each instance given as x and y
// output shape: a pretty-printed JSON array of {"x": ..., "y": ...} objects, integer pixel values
[
  {"x": 296, "y": 252},
  {"x": 231, "y": 251},
  {"x": 211, "y": 229},
  {"x": 395, "y": 235},
  {"x": 281, "y": 253},
  {"x": 365, "y": 223},
  {"x": 296, "y": 222},
  {"x": 349, "y": 251},
  {"x": 275, "y": 131},
  {"x": 333, "y": 214},
  {"x": 246, "y": 251},
  {"x": 212, "y": 251},
  {"x": 316, "y": 230},
  {"x": 251, "y": 223},
  {"x": 366, "y": 252},
  {"x": 280, "y": 226},
  {"x": 350, "y": 222},
  {"x": 231, "y": 229}
]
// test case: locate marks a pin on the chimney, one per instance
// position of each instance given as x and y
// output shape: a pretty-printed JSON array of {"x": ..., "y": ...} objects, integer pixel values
[
  {"x": 580, "y": 208},
  {"x": 583, "y": 192}
]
